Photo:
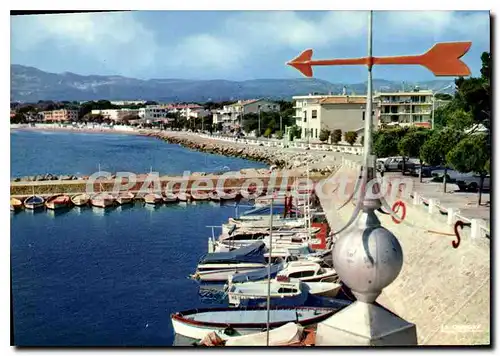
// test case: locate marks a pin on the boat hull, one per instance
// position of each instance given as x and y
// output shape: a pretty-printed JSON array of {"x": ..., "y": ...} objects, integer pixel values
[
  {"x": 189, "y": 327},
  {"x": 80, "y": 200},
  {"x": 102, "y": 202},
  {"x": 33, "y": 204},
  {"x": 222, "y": 275}
]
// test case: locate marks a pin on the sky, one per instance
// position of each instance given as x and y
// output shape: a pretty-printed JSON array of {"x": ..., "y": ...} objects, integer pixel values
[{"x": 239, "y": 45}]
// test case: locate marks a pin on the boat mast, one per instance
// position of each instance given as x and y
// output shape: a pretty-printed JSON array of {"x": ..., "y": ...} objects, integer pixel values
[{"x": 269, "y": 268}]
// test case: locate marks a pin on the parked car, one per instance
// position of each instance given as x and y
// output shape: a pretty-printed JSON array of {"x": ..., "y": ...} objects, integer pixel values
[
  {"x": 426, "y": 170},
  {"x": 472, "y": 183},
  {"x": 396, "y": 163}
]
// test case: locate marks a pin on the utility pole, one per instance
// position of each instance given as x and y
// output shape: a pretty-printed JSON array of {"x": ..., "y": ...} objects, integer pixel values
[{"x": 258, "y": 133}]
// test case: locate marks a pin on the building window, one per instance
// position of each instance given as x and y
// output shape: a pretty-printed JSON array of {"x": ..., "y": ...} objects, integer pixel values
[
  {"x": 305, "y": 116},
  {"x": 316, "y": 133},
  {"x": 314, "y": 114}
]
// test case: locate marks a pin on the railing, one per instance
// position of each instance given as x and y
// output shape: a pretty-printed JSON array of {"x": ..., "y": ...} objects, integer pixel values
[
  {"x": 356, "y": 150},
  {"x": 478, "y": 227}
]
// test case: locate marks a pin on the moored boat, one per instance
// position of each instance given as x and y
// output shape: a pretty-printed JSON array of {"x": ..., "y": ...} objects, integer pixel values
[
  {"x": 308, "y": 272},
  {"x": 214, "y": 196},
  {"x": 15, "y": 204},
  {"x": 59, "y": 201},
  {"x": 80, "y": 199},
  {"x": 153, "y": 198},
  {"x": 290, "y": 334},
  {"x": 229, "y": 322},
  {"x": 184, "y": 197},
  {"x": 259, "y": 290},
  {"x": 169, "y": 198},
  {"x": 219, "y": 266},
  {"x": 200, "y": 195},
  {"x": 125, "y": 198},
  {"x": 34, "y": 202},
  {"x": 102, "y": 200}
]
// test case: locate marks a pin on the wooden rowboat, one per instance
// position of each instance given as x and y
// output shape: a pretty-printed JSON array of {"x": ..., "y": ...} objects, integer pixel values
[
  {"x": 80, "y": 199},
  {"x": 229, "y": 322},
  {"x": 102, "y": 200},
  {"x": 34, "y": 202},
  {"x": 153, "y": 198},
  {"x": 15, "y": 204},
  {"x": 125, "y": 198},
  {"x": 58, "y": 202}
]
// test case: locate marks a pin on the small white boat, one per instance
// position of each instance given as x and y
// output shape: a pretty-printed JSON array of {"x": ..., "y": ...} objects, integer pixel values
[
  {"x": 80, "y": 199},
  {"x": 169, "y": 198},
  {"x": 214, "y": 196},
  {"x": 15, "y": 204},
  {"x": 229, "y": 322},
  {"x": 323, "y": 289},
  {"x": 258, "y": 290},
  {"x": 184, "y": 197},
  {"x": 125, "y": 198},
  {"x": 290, "y": 334},
  {"x": 102, "y": 200},
  {"x": 200, "y": 195},
  {"x": 153, "y": 198},
  {"x": 308, "y": 272}
]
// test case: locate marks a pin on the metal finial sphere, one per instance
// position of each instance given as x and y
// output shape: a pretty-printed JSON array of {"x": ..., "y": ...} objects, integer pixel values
[{"x": 367, "y": 258}]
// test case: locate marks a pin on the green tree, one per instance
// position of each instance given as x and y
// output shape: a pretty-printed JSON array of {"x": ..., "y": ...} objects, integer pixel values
[
  {"x": 279, "y": 135},
  {"x": 471, "y": 155},
  {"x": 411, "y": 144},
  {"x": 385, "y": 143},
  {"x": 324, "y": 135},
  {"x": 268, "y": 132},
  {"x": 436, "y": 148},
  {"x": 294, "y": 132},
  {"x": 336, "y": 136},
  {"x": 18, "y": 119},
  {"x": 351, "y": 137}
]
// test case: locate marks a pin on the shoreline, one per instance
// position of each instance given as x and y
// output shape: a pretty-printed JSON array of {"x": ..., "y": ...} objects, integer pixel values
[{"x": 77, "y": 130}]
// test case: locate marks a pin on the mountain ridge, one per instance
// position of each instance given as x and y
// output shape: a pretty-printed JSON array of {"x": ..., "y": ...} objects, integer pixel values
[{"x": 30, "y": 84}]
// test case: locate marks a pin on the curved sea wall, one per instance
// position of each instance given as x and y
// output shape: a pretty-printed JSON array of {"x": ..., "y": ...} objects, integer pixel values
[{"x": 323, "y": 162}]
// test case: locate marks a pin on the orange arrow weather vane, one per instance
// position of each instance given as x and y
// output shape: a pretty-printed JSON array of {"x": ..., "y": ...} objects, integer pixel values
[{"x": 443, "y": 59}]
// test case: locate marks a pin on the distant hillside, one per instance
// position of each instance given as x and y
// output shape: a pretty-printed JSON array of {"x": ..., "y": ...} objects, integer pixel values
[{"x": 29, "y": 84}]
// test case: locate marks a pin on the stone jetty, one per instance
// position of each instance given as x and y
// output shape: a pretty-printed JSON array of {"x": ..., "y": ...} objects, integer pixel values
[{"x": 283, "y": 158}]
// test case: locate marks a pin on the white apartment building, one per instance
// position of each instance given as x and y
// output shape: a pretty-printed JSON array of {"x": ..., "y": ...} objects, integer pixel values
[
  {"x": 406, "y": 108},
  {"x": 128, "y": 102},
  {"x": 115, "y": 114},
  {"x": 231, "y": 116},
  {"x": 156, "y": 113},
  {"x": 314, "y": 113}
]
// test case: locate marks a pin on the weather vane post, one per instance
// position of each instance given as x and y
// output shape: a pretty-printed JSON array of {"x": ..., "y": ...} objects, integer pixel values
[{"x": 368, "y": 257}]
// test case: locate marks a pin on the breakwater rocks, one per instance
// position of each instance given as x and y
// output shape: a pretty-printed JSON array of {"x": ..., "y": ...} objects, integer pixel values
[
  {"x": 46, "y": 177},
  {"x": 320, "y": 162}
]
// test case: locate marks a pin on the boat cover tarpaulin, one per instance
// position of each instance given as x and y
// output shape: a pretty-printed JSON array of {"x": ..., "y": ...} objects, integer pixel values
[
  {"x": 251, "y": 253},
  {"x": 258, "y": 275}
]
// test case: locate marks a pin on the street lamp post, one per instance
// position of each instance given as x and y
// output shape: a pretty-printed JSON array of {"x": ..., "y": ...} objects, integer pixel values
[{"x": 434, "y": 100}]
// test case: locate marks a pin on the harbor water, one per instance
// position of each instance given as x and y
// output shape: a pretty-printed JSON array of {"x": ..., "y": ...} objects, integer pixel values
[{"x": 89, "y": 277}]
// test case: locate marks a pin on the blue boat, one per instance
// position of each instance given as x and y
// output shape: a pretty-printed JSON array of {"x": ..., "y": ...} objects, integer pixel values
[{"x": 34, "y": 202}]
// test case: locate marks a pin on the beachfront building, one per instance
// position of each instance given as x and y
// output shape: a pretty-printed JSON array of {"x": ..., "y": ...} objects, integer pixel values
[
  {"x": 128, "y": 102},
  {"x": 60, "y": 115},
  {"x": 314, "y": 113},
  {"x": 155, "y": 113},
  {"x": 413, "y": 108},
  {"x": 231, "y": 116}
]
